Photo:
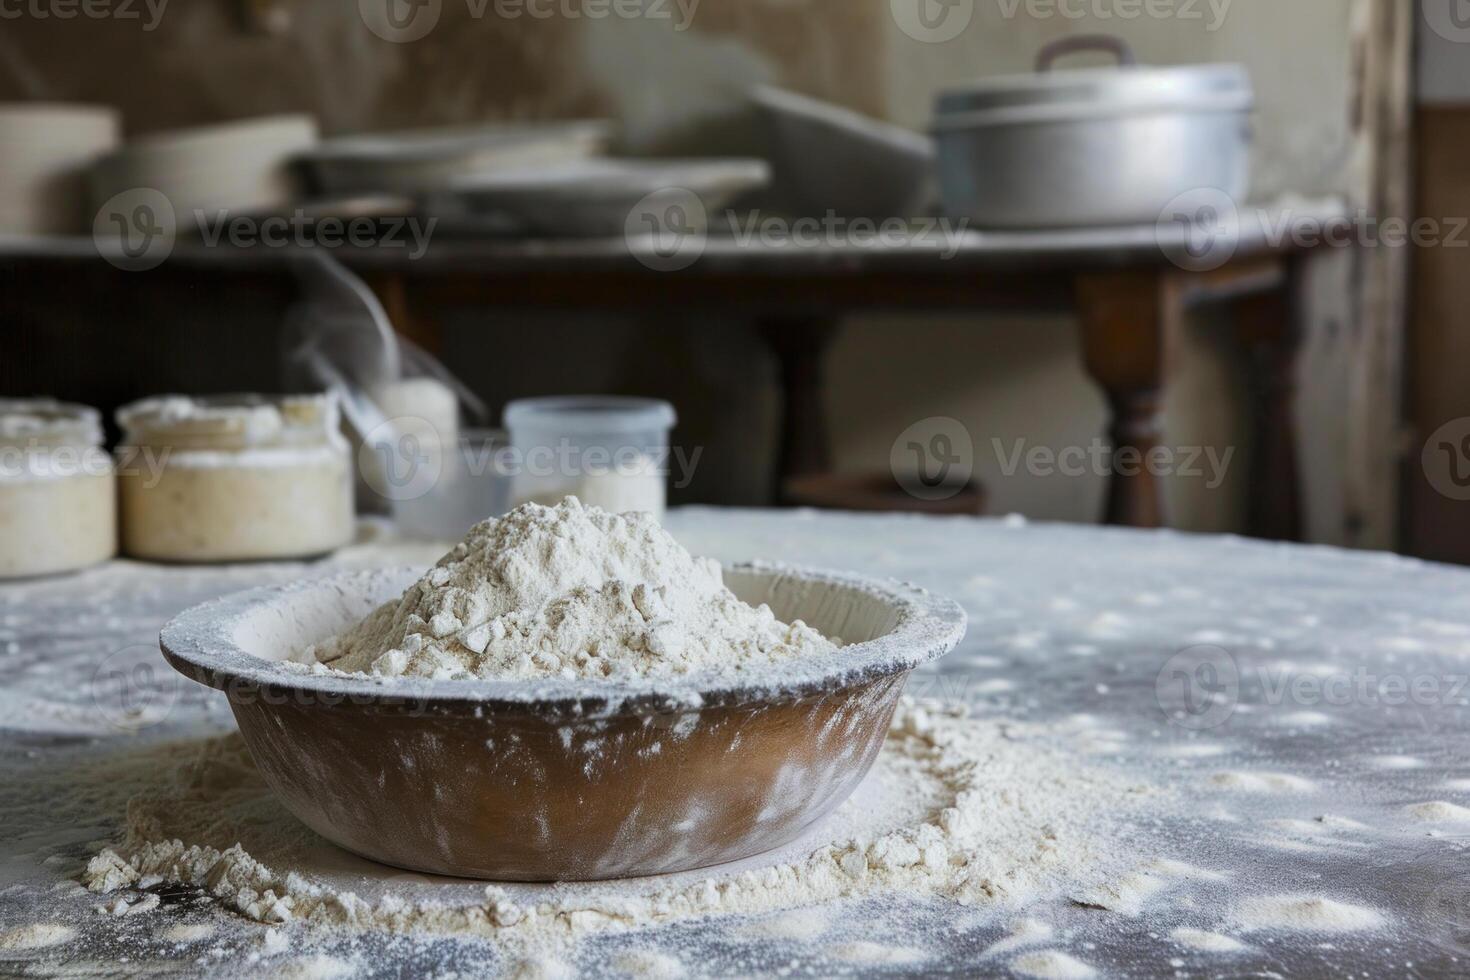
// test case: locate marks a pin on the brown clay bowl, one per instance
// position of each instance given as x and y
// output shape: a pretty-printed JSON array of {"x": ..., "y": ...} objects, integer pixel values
[{"x": 563, "y": 780}]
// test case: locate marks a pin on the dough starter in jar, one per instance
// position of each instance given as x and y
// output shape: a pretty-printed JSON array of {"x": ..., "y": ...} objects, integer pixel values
[
  {"x": 58, "y": 508},
  {"x": 234, "y": 480}
]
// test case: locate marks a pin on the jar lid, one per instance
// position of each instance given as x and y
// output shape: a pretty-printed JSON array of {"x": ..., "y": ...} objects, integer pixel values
[
  {"x": 1126, "y": 86},
  {"x": 50, "y": 420},
  {"x": 591, "y": 414}
]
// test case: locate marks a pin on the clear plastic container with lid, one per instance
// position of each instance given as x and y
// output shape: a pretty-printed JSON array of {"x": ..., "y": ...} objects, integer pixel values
[
  {"x": 58, "y": 498},
  {"x": 234, "y": 478},
  {"x": 610, "y": 452}
]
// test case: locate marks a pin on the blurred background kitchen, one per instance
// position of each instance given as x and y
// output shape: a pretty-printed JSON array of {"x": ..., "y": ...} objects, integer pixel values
[{"x": 1043, "y": 296}]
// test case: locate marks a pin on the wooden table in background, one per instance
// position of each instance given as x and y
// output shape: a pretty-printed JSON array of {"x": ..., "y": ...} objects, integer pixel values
[{"x": 1129, "y": 297}]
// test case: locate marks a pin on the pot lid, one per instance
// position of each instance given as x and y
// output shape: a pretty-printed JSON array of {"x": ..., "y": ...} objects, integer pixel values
[{"x": 1125, "y": 86}]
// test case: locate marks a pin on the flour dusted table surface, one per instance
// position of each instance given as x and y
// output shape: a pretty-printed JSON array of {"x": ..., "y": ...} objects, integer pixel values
[{"x": 1303, "y": 709}]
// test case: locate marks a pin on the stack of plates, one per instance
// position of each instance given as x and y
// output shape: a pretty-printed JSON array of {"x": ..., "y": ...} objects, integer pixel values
[
  {"x": 240, "y": 167},
  {"x": 595, "y": 198},
  {"x": 417, "y": 161},
  {"x": 45, "y": 150}
]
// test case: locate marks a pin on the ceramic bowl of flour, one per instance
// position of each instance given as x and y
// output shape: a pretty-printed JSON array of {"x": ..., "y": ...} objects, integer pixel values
[{"x": 564, "y": 780}]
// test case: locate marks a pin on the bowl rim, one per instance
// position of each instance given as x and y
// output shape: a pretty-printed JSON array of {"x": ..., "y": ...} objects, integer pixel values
[{"x": 200, "y": 643}]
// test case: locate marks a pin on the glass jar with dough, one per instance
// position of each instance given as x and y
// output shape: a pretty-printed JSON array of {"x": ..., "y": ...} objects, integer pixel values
[
  {"x": 235, "y": 478},
  {"x": 58, "y": 501}
]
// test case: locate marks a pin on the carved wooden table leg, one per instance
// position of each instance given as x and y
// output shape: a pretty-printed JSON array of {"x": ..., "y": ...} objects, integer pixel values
[
  {"x": 800, "y": 344},
  {"x": 1269, "y": 327},
  {"x": 1129, "y": 321}
]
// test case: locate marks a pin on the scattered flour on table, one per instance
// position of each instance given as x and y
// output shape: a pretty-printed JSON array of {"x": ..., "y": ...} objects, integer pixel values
[
  {"x": 1438, "y": 811},
  {"x": 1051, "y": 964},
  {"x": 1026, "y": 932},
  {"x": 649, "y": 964},
  {"x": 37, "y": 935},
  {"x": 318, "y": 967},
  {"x": 1129, "y": 893},
  {"x": 1303, "y": 719},
  {"x": 801, "y": 925},
  {"x": 122, "y": 905},
  {"x": 567, "y": 591},
  {"x": 188, "y": 932},
  {"x": 1305, "y": 913},
  {"x": 1262, "y": 782},
  {"x": 1207, "y": 942},
  {"x": 540, "y": 968},
  {"x": 865, "y": 951},
  {"x": 970, "y": 809}
]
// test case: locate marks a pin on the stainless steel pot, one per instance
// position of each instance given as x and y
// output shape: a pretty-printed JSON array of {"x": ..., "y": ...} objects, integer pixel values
[{"x": 1092, "y": 147}]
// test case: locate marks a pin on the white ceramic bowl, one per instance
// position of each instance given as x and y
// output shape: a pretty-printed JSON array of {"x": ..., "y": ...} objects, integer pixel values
[
  {"x": 45, "y": 150},
  {"x": 242, "y": 166}
]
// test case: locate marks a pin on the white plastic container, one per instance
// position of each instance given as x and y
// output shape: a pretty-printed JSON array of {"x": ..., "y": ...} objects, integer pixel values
[
  {"x": 58, "y": 498},
  {"x": 608, "y": 451},
  {"x": 234, "y": 479},
  {"x": 471, "y": 485}
]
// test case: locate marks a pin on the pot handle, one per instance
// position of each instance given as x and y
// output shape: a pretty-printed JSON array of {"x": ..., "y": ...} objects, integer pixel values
[{"x": 1079, "y": 43}]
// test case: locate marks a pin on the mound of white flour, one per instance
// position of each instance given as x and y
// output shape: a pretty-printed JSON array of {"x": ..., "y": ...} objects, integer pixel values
[{"x": 567, "y": 591}]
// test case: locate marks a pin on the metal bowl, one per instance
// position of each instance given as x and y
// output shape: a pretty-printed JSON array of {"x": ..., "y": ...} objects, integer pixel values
[{"x": 562, "y": 780}]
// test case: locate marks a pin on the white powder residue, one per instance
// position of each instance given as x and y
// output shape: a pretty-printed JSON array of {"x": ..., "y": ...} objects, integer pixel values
[
  {"x": 1051, "y": 964},
  {"x": 1305, "y": 913},
  {"x": 318, "y": 967},
  {"x": 1324, "y": 827},
  {"x": 1192, "y": 750},
  {"x": 866, "y": 951},
  {"x": 801, "y": 925},
  {"x": 122, "y": 906},
  {"x": 1207, "y": 942},
  {"x": 1026, "y": 932},
  {"x": 1262, "y": 782},
  {"x": 649, "y": 964},
  {"x": 1438, "y": 811},
  {"x": 188, "y": 932},
  {"x": 1128, "y": 894},
  {"x": 1303, "y": 719},
  {"x": 567, "y": 591},
  {"x": 540, "y": 968},
  {"x": 968, "y": 809},
  {"x": 37, "y": 935}
]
